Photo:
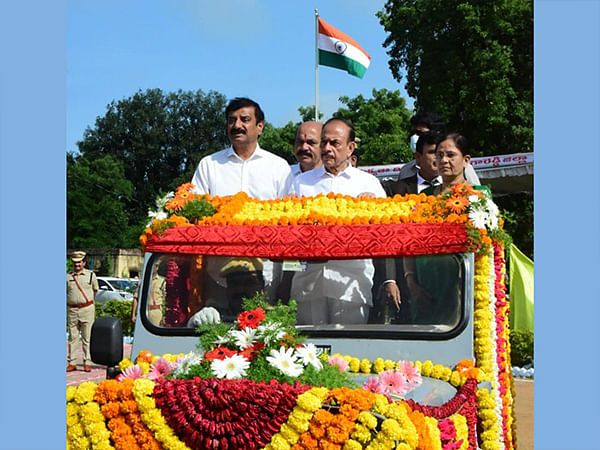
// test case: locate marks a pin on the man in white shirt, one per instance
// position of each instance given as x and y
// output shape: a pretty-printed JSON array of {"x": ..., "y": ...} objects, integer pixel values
[
  {"x": 243, "y": 167},
  {"x": 306, "y": 147},
  {"x": 335, "y": 291}
]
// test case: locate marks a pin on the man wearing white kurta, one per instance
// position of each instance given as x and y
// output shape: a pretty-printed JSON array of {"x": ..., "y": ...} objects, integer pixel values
[
  {"x": 336, "y": 291},
  {"x": 243, "y": 167}
]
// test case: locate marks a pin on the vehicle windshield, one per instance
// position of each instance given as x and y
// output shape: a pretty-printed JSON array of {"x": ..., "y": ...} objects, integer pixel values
[
  {"x": 124, "y": 285},
  {"x": 332, "y": 295}
]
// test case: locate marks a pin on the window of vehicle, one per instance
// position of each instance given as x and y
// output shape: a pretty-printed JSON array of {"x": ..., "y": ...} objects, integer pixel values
[
  {"x": 333, "y": 296},
  {"x": 103, "y": 285}
]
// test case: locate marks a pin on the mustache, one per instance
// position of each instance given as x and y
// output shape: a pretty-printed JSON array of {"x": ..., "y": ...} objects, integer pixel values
[
  {"x": 303, "y": 153},
  {"x": 238, "y": 131}
]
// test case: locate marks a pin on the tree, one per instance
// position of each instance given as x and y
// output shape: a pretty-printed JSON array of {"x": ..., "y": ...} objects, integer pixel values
[
  {"x": 159, "y": 138},
  {"x": 96, "y": 195},
  {"x": 382, "y": 124},
  {"x": 470, "y": 61},
  {"x": 280, "y": 140}
]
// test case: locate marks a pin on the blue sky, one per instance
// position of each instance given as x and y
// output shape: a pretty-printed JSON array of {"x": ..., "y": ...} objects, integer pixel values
[{"x": 259, "y": 49}]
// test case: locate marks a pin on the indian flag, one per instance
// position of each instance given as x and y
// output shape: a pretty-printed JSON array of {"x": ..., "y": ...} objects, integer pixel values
[{"x": 337, "y": 49}]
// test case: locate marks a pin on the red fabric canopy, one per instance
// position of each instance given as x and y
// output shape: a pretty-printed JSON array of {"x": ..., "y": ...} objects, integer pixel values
[{"x": 313, "y": 241}]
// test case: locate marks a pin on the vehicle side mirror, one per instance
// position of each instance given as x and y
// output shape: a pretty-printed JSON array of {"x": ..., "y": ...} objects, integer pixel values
[{"x": 106, "y": 343}]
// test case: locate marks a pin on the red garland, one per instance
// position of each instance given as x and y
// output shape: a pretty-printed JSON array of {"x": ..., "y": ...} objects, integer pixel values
[
  {"x": 313, "y": 241},
  {"x": 502, "y": 355},
  {"x": 463, "y": 395},
  {"x": 176, "y": 298},
  {"x": 211, "y": 413}
]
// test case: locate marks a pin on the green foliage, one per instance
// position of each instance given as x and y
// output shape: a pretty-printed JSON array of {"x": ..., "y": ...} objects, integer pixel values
[
  {"x": 517, "y": 211},
  {"x": 120, "y": 309},
  {"x": 106, "y": 268},
  {"x": 97, "y": 193},
  {"x": 521, "y": 347},
  {"x": 158, "y": 139},
  {"x": 196, "y": 209},
  {"x": 277, "y": 318},
  {"x": 69, "y": 265},
  {"x": 470, "y": 61},
  {"x": 280, "y": 140},
  {"x": 382, "y": 124}
]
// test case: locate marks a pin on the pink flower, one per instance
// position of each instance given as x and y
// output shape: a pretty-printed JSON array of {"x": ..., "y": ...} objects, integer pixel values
[
  {"x": 412, "y": 374},
  {"x": 134, "y": 372},
  {"x": 374, "y": 384},
  {"x": 340, "y": 362},
  {"x": 160, "y": 368},
  {"x": 395, "y": 382}
]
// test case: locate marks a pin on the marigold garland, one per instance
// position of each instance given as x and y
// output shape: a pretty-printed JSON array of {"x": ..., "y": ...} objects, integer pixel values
[{"x": 336, "y": 420}]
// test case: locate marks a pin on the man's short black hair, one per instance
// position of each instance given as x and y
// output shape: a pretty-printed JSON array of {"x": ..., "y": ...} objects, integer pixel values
[
  {"x": 351, "y": 133},
  {"x": 356, "y": 153},
  {"x": 242, "y": 102},
  {"x": 431, "y": 119},
  {"x": 429, "y": 137}
]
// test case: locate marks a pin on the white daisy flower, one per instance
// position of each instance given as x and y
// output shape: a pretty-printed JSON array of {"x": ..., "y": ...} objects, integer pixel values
[
  {"x": 188, "y": 360},
  {"x": 271, "y": 332},
  {"x": 285, "y": 361},
  {"x": 244, "y": 338},
  {"x": 478, "y": 218},
  {"x": 473, "y": 198},
  {"x": 221, "y": 340},
  {"x": 309, "y": 354},
  {"x": 232, "y": 368},
  {"x": 161, "y": 202}
]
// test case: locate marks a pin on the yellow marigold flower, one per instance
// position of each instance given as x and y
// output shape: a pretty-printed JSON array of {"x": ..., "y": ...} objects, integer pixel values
[
  {"x": 388, "y": 364},
  {"x": 378, "y": 365},
  {"x": 85, "y": 392},
  {"x": 300, "y": 425},
  {"x": 367, "y": 419},
  {"x": 455, "y": 379},
  {"x": 145, "y": 367},
  {"x": 278, "y": 442},
  {"x": 309, "y": 401},
  {"x": 361, "y": 433},
  {"x": 354, "y": 364},
  {"x": 427, "y": 368},
  {"x": 301, "y": 414},
  {"x": 351, "y": 445},
  {"x": 70, "y": 392},
  {"x": 365, "y": 366},
  {"x": 124, "y": 364},
  {"x": 289, "y": 433},
  {"x": 142, "y": 386}
]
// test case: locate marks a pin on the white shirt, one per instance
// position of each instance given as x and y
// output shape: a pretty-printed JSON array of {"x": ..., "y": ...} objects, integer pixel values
[
  {"x": 423, "y": 184},
  {"x": 295, "y": 168},
  {"x": 343, "y": 280},
  {"x": 263, "y": 176},
  {"x": 351, "y": 181}
]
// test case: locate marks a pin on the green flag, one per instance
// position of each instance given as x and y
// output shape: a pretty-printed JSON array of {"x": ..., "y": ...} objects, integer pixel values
[{"x": 521, "y": 290}]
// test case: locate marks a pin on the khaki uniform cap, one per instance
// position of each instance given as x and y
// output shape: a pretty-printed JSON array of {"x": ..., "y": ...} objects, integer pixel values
[{"x": 77, "y": 256}]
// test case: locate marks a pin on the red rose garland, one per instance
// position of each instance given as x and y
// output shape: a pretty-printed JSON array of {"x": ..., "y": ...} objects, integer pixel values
[{"x": 207, "y": 413}]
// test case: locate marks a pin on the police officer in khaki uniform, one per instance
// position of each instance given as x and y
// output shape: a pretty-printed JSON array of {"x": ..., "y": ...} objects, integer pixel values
[
  {"x": 158, "y": 293},
  {"x": 82, "y": 286}
]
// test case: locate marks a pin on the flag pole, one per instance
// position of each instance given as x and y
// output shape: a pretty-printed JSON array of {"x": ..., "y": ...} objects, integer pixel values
[{"x": 316, "y": 65}]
